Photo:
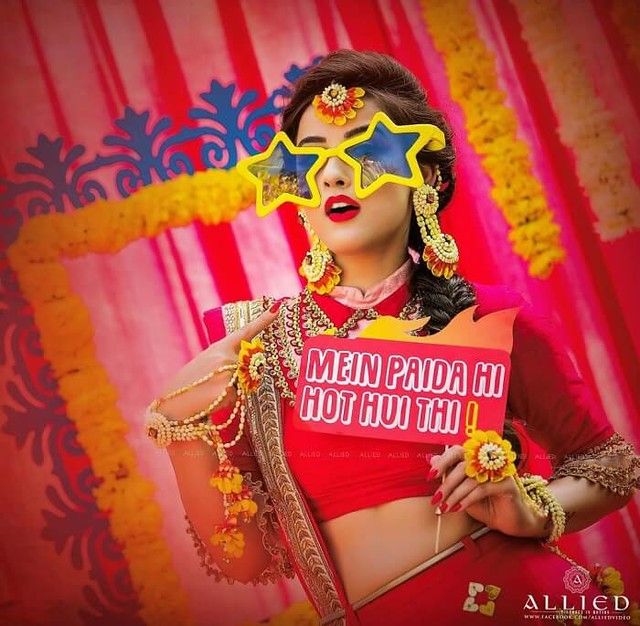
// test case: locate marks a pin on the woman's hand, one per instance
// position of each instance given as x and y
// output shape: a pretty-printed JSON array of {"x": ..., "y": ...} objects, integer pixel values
[
  {"x": 218, "y": 354},
  {"x": 499, "y": 505}
]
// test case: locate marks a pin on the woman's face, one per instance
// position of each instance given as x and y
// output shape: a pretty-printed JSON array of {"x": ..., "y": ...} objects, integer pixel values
[{"x": 377, "y": 222}]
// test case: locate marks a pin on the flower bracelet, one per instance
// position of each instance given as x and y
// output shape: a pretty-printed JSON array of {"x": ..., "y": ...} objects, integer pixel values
[
  {"x": 237, "y": 497},
  {"x": 489, "y": 457}
]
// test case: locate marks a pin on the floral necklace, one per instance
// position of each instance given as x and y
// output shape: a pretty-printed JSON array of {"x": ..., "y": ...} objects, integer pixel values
[{"x": 300, "y": 319}]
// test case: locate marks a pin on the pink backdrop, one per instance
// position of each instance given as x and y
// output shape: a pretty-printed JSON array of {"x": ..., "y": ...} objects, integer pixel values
[{"x": 69, "y": 69}]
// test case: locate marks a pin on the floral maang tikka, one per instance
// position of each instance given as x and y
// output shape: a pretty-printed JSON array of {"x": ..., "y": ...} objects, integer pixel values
[{"x": 337, "y": 104}]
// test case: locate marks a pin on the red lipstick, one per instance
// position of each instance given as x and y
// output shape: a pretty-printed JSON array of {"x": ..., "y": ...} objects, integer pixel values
[{"x": 341, "y": 208}]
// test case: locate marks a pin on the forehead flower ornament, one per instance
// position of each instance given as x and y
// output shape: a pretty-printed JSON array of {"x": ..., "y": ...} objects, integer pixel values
[{"x": 337, "y": 104}]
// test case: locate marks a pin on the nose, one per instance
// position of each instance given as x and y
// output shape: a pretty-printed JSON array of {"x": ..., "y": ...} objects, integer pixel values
[{"x": 335, "y": 174}]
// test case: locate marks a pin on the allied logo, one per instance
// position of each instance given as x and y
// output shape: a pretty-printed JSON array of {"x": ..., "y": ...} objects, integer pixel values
[{"x": 576, "y": 579}]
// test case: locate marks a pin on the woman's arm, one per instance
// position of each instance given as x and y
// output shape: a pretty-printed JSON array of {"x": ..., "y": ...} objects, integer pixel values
[
  {"x": 500, "y": 505},
  {"x": 583, "y": 502},
  {"x": 595, "y": 469},
  {"x": 195, "y": 461}
]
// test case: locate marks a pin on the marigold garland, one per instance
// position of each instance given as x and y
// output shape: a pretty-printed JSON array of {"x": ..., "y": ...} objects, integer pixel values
[
  {"x": 67, "y": 341},
  {"x": 584, "y": 123},
  {"x": 491, "y": 128}
]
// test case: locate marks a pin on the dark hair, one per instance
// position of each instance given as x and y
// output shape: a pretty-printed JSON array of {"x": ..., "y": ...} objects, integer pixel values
[{"x": 399, "y": 93}]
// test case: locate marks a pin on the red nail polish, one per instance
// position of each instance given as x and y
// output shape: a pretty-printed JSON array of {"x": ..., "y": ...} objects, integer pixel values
[
  {"x": 432, "y": 474},
  {"x": 456, "y": 507},
  {"x": 275, "y": 306},
  {"x": 443, "y": 507},
  {"x": 437, "y": 496}
]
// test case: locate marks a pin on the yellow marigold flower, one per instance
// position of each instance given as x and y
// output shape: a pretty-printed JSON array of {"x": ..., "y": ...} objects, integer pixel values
[
  {"x": 251, "y": 363},
  {"x": 609, "y": 580},
  {"x": 328, "y": 281},
  {"x": 66, "y": 334},
  {"x": 321, "y": 273},
  {"x": 230, "y": 538},
  {"x": 227, "y": 479},
  {"x": 246, "y": 507},
  {"x": 488, "y": 456}
]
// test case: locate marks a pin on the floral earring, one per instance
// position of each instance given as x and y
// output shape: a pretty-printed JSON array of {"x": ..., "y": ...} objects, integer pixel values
[
  {"x": 318, "y": 267},
  {"x": 440, "y": 250}
]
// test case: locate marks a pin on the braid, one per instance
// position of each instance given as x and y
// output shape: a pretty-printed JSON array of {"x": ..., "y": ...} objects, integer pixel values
[
  {"x": 439, "y": 298},
  {"x": 443, "y": 299}
]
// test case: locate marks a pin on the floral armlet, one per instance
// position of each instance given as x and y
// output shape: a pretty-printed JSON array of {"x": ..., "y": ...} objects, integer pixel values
[
  {"x": 612, "y": 464},
  {"x": 279, "y": 564}
]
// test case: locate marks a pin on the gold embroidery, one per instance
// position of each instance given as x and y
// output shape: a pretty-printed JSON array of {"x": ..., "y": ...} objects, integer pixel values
[
  {"x": 265, "y": 425},
  {"x": 612, "y": 464},
  {"x": 299, "y": 319},
  {"x": 236, "y": 314},
  {"x": 279, "y": 565}
]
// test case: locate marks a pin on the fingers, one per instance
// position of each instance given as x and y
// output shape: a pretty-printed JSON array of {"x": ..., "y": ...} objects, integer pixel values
[
  {"x": 470, "y": 492},
  {"x": 451, "y": 482},
  {"x": 442, "y": 463},
  {"x": 460, "y": 497},
  {"x": 250, "y": 330}
]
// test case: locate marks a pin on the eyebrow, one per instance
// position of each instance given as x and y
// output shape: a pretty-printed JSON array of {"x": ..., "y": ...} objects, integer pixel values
[{"x": 347, "y": 135}]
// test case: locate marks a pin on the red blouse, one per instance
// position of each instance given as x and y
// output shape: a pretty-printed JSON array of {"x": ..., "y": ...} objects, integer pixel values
[{"x": 340, "y": 474}]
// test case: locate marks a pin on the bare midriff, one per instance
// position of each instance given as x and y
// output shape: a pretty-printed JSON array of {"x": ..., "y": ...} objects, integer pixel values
[{"x": 372, "y": 546}]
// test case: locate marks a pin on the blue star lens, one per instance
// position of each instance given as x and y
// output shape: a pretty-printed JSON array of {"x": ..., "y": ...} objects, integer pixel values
[
  {"x": 384, "y": 153},
  {"x": 282, "y": 173}
]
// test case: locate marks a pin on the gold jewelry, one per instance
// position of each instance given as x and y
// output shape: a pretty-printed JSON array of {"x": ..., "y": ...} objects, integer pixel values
[
  {"x": 284, "y": 341},
  {"x": 539, "y": 495},
  {"x": 237, "y": 496},
  {"x": 328, "y": 327},
  {"x": 318, "y": 267},
  {"x": 197, "y": 426},
  {"x": 440, "y": 250},
  {"x": 337, "y": 104}
]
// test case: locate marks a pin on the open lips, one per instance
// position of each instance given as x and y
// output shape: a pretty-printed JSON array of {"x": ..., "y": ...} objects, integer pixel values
[{"x": 341, "y": 208}]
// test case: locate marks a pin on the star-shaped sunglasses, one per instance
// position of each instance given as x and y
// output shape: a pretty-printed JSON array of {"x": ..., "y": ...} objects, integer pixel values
[{"x": 384, "y": 153}]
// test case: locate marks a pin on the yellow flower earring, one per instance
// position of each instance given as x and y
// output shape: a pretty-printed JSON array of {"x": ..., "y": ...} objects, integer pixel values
[
  {"x": 440, "y": 250},
  {"x": 318, "y": 266}
]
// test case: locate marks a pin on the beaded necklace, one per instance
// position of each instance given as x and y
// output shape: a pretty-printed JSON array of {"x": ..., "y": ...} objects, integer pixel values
[{"x": 302, "y": 318}]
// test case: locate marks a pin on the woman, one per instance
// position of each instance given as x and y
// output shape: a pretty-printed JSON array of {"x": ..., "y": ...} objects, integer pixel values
[{"x": 378, "y": 532}]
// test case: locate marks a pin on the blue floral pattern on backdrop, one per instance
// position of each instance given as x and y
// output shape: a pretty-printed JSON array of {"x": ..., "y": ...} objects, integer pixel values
[{"x": 142, "y": 151}]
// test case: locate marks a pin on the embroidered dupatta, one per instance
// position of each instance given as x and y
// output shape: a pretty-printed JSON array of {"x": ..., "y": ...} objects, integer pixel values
[
  {"x": 298, "y": 531},
  {"x": 306, "y": 546}
]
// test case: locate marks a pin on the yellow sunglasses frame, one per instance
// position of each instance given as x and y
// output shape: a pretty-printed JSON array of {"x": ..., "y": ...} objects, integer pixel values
[{"x": 429, "y": 136}]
